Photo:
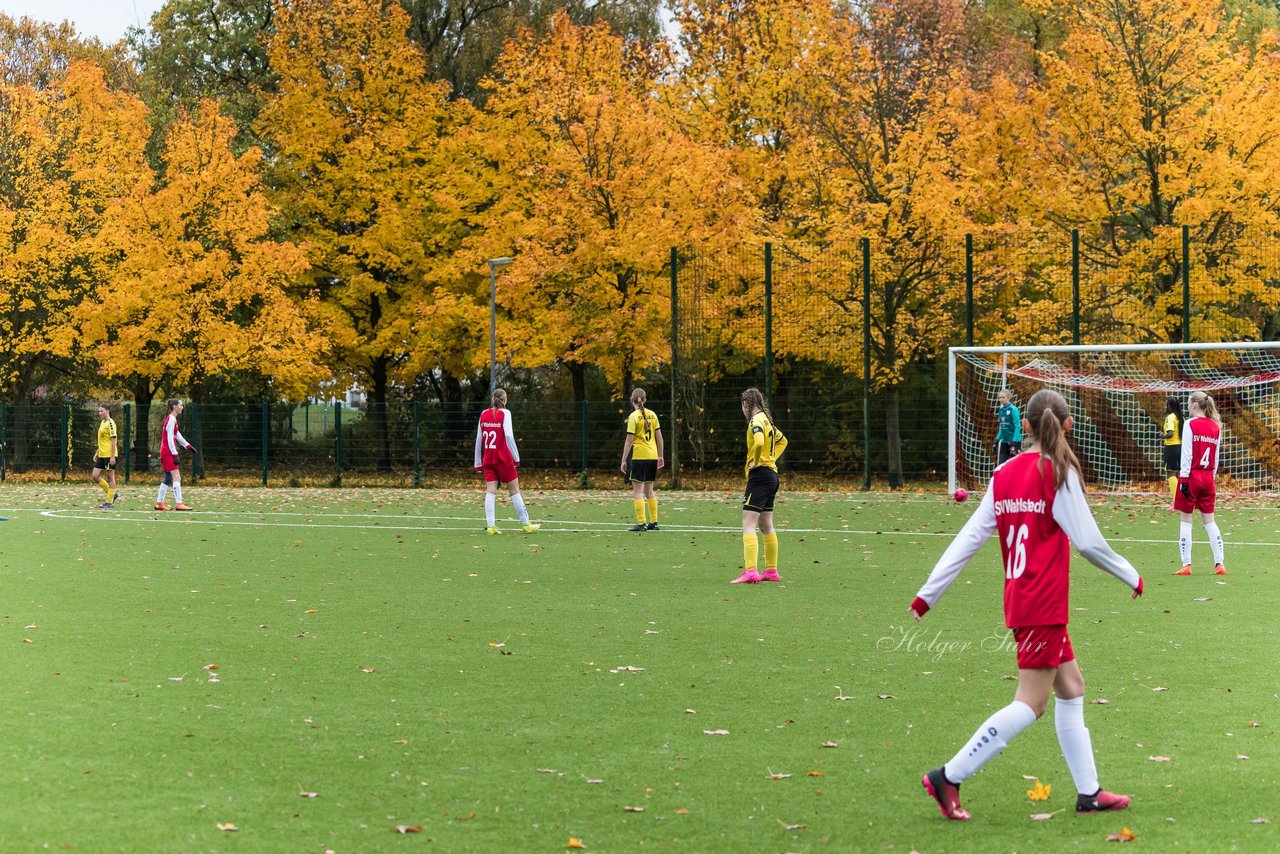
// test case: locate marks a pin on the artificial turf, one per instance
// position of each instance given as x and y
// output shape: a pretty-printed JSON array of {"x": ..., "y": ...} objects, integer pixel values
[{"x": 322, "y": 669}]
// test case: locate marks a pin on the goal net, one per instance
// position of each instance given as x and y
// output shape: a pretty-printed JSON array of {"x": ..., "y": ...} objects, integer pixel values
[{"x": 1117, "y": 396}]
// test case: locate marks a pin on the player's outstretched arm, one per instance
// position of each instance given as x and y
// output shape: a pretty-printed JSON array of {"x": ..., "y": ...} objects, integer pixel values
[
  {"x": 1072, "y": 513},
  {"x": 976, "y": 531}
]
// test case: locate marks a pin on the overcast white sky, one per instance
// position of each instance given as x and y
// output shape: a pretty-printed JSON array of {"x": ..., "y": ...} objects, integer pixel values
[{"x": 106, "y": 19}]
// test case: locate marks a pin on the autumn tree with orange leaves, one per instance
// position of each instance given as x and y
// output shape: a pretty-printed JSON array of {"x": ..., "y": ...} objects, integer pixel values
[{"x": 594, "y": 182}]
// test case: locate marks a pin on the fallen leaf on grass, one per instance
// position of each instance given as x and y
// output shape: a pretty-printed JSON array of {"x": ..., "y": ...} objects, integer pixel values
[
  {"x": 1254, "y": 724},
  {"x": 312, "y": 611},
  {"x": 817, "y": 774},
  {"x": 409, "y": 828},
  {"x": 840, "y": 694},
  {"x": 627, "y": 668},
  {"x": 595, "y": 782},
  {"x": 496, "y": 645},
  {"x": 468, "y": 817},
  {"x": 365, "y": 669},
  {"x": 305, "y": 794},
  {"x": 829, "y": 744},
  {"x": 226, "y": 825},
  {"x": 1260, "y": 820},
  {"x": 1044, "y": 816},
  {"x": 211, "y": 667},
  {"x": 574, "y": 842},
  {"x": 1241, "y": 756},
  {"x": 548, "y": 771},
  {"x": 715, "y": 732},
  {"x": 1039, "y": 792},
  {"x": 1159, "y": 759},
  {"x": 1204, "y": 599},
  {"x": 1102, "y": 701},
  {"x": 786, "y": 826},
  {"x": 1125, "y": 835},
  {"x": 779, "y": 776},
  {"x": 885, "y": 697},
  {"x": 682, "y": 811},
  {"x": 633, "y": 809}
]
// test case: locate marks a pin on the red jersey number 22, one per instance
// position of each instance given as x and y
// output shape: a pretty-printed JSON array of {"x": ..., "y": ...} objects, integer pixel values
[{"x": 490, "y": 439}]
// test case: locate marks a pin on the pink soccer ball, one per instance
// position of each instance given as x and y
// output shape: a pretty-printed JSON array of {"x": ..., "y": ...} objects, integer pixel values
[{"x": 961, "y": 495}]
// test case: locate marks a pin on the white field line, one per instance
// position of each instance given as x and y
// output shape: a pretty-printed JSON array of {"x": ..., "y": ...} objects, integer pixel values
[{"x": 562, "y": 526}]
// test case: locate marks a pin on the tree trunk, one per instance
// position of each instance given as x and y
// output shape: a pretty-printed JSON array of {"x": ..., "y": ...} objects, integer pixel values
[
  {"x": 378, "y": 409},
  {"x": 578, "y": 374},
  {"x": 143, "y": 395},
  {"x": 893, "y": 437}
]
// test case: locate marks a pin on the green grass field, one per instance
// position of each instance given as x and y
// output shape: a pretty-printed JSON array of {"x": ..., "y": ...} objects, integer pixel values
[{"x": 318, "y": 668}]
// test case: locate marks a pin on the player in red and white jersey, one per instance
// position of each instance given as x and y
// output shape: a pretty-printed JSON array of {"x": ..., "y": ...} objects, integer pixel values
[
  {"x": 1201, "y": 436},
  {"x": 1035, "y": 504},
  {"x": 498, "y": 458},
  {"x": 170, "y": 441}
]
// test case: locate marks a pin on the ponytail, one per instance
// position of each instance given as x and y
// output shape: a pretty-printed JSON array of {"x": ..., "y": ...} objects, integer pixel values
[
  {"x": 1047, "y": 414},
  {"x": 753, "y": 398},
  {"x": 1205, "y": 404},
  {"x": 499, "y": 398},
  {"x": 638, "y": 399}
]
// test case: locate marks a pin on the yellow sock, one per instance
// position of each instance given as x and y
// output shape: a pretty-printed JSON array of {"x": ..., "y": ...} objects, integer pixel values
[
  {"x": 104, "y": 486},
  {"x": 1173, "y": 487},
  {"x": 770, "y": 551},
  {"x": 639, "y": 505},
  {"x": 749, "y": 547},
  {"x": 653, "y": 510}
]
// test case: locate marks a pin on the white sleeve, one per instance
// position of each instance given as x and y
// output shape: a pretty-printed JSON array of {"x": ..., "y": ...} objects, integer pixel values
[
  {"x": 181, "y": 441},
  {"x": 511, "y": 436},
  {"x": 979, "y": 528},
  {"x": 479, "y": 440},
  {"x": 1073, "y": 515},
  {"x": 170, "y": 427},
  {"x": 1184, "y": 467}
]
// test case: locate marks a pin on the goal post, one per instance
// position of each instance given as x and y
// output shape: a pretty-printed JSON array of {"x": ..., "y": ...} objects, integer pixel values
[{"x": 1117, "y": 396}]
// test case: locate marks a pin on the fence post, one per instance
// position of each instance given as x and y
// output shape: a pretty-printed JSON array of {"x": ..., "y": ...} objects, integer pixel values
[
  {"x": 768, "y": 325},
  {"x": 266, "y": 438},
  {"x": 66, "y": 438},
  {"x": 128, "y": 440},
  {"x": 866, "y": 363},
  {"x": 1075, "y": 286},
  {"x": 337, "y": 440},
  {"x": 1186, "y": 284},
  {"x": 968, "y": 289},
  {"x": 306, "y": 420},
  {"x": 675, "y": 373},
  {"x": 4, "y": 440},
  {"x": 586, "y": 451},
  {"x": 417, "y": 443}
]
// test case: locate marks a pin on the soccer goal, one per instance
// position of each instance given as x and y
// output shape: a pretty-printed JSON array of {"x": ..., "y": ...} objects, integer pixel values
[{"x": 1117, "y": 396}]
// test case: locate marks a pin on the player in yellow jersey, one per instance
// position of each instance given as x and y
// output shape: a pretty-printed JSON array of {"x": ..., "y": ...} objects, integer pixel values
[
  {"x": 104, "y": 461},
  {"x": 644, "y": 444},
  {"x": 1173, "y": 419},
  {"x": 765, "y": 443}
]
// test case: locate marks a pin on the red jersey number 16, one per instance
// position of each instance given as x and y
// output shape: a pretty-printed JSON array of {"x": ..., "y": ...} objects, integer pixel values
[{"x": 1015, "y": 562}]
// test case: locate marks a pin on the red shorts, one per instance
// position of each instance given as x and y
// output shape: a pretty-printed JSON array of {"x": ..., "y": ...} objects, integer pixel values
[
  {"x": 168, "y": 463},
  {"x": 1043, "y": 647},
  {"x": 502, "y": 472},
  {"x": 1203, "y": 493}
]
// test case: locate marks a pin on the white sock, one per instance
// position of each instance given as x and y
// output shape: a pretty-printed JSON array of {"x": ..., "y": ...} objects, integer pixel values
[
  {"x": 523, "y": 512},
  {"x": 1077, "y": 747},
  {"x": 489, "y": 500},
  {"x": 991, "y": 738},
  {"x": 1215, "y": 540},
  {"x": 177, "y": 492},
  {"x": 164, "y": 491},
  {"x": 1184, "y": 543}
]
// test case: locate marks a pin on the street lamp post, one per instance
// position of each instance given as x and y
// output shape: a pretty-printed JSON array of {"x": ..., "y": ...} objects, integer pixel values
[{"x": 494, "y": 265}]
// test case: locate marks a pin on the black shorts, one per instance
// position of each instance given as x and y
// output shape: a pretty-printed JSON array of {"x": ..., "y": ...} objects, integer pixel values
[
  {"x": 762, "y": 489},
  {"x": 1172, "y": 458},
  {"x": 103, "y": 463},
  {"x": 644, "y": 471},
  {"x": 1006, "y": 451}
]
